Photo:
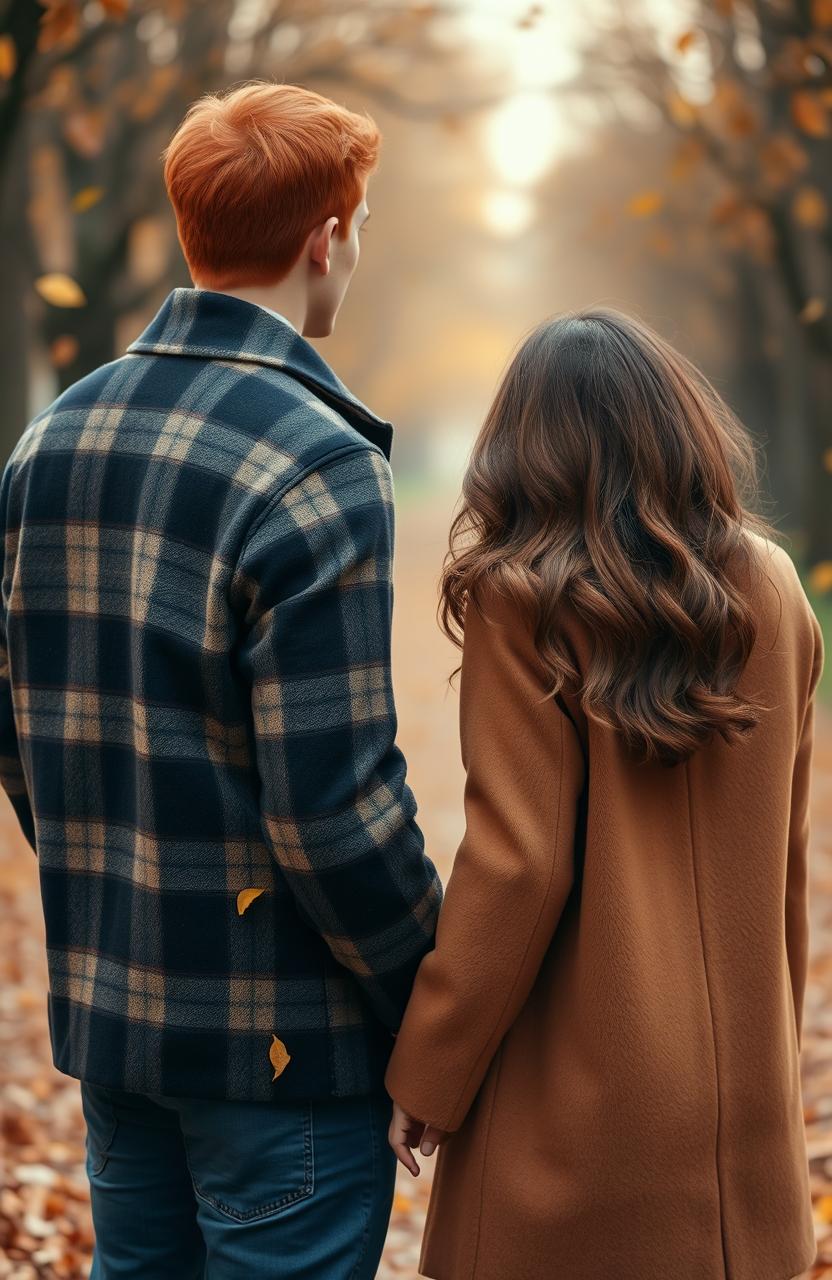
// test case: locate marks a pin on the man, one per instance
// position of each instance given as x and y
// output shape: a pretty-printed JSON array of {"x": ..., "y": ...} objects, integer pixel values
[{"x": 198, "y": 729}]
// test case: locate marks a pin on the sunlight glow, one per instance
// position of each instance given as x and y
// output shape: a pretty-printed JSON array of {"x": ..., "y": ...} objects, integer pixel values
[
  {"x": 523, "y": 136},
  {"x": 507, "y": 213}
]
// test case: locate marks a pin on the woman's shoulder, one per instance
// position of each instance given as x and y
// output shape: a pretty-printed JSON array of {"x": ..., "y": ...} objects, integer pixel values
[
  {"x": 779, "y": 567},
  {"x": 788, "y": 593}
]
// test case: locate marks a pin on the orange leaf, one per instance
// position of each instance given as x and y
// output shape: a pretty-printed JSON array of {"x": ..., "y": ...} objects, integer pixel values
[
  {"x": 86, "y": 198},
  {"x": 682, "y": 113},
  {"x": 782, "y": 158},
  {"x": 85, "y": 131},
  {"x": 820, "y": 580},
  {"x": 63, "y": 350},
  {"x": 60, "y": 290},
  {"x": 245, "y": 898},
  {"x": 686, "y": 40},
  {"x": 688, "y": 157},
  {"x": 645, "y": 204},
  {"x": 60, "y": 25},
  {"x": 810, "y": 208},
  {"x": 822, "y": 13},
  {"x": 8, "y": 57},
  {"x": 810, "y": 114},
  {"x": 278, "y": 1056},
  {"x": 814, "y": 310},
  {"x": 827, "y": 460}
]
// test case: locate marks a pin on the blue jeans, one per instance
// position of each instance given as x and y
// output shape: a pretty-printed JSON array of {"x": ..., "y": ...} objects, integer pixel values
[{"x": 191, "y": 1189}]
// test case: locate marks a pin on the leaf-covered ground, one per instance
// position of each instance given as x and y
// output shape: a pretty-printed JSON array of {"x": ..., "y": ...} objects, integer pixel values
[{"x": 45, "y": 1226}]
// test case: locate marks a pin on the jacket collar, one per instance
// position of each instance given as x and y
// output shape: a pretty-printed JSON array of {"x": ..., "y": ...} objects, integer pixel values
[{"x": 202, "y": 322}]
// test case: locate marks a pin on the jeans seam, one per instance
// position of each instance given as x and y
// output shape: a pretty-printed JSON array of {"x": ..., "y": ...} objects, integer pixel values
[
  {"x": 102, "y": 1150},
  {"x": 365, "y": 1235}
]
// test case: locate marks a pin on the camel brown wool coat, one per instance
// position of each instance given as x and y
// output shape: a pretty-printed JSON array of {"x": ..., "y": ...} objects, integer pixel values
[{"x": 609, "y": 1022}]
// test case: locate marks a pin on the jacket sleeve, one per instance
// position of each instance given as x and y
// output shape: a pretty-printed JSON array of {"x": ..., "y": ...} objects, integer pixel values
[
  {"x": 12, "y": 777},
  {"x": 511, "y": 877},
  {"x": 339, "y": 817},
  {"x": 797, "y": 868}
]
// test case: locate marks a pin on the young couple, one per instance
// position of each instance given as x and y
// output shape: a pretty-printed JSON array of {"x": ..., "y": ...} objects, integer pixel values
[{"x": 252, "y": 968}]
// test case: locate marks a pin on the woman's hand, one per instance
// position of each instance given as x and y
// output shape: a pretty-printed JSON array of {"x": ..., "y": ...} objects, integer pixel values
[{"x": 406, "y": 1132}]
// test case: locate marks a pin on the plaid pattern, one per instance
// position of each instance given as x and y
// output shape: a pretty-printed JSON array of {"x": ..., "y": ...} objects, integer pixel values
[{"x": 195, "y": 699}]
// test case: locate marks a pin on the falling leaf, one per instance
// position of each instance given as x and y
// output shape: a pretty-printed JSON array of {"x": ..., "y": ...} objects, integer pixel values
[
  {"x": 686, "y": 41},
  {"x": 278, "y": 1056},
  {"x": 86, "y": 198},
  {"x": 782, "y": 159},
  {"x": 814, "y": 310},
  {"x": 645, "y": 204},
  {"x": 60, "y": 290},
  {"x": 822, "y": 13},
  {"x": 60, "y": 25},
  {"x": 823, "y": 1209},
  {"x": 689, "y": 156},
  {"x": 820, "y": 579},
  {"x": 8, "y": 57},
  {"x": 530, "y": 18},
  {"x": 63, "y": 350},
  {"x": 810, "y": 114},
  {"x": 85, "y": 131},
  {"x": 245, "y": 898},
  {"x": 810, "y": 208},
  {"x": 683, "y": 113}
]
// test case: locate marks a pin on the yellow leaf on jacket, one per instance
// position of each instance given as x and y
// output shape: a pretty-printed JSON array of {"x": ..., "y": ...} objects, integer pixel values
[
  {"x": 60, "y": 290},
  {"x": 245, "y": 898},
  {"x": 278, "y": 1056}
]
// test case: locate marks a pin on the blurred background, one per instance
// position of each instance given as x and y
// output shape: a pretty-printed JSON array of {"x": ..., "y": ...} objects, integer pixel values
[{"x": 669, "y": 157}]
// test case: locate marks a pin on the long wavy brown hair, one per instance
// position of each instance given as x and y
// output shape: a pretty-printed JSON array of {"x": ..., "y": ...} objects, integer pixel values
[{"x": 609, "y": 473}]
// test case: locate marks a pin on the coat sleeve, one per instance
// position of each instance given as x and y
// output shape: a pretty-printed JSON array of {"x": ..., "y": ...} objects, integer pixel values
[
  {"x": 797, "y": 868},
  {"x": 511, "y": 877},
  {"x": 335, "y": 807}
]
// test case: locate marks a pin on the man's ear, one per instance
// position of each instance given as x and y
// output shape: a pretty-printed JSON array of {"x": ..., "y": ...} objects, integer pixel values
[{"x": 319, "y": 244}]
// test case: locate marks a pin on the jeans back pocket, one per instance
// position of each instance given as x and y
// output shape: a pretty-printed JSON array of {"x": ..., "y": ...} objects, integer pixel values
[{"x": 249, "y": 1160}]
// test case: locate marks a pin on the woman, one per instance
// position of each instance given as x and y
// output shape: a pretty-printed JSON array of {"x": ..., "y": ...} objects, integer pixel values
[{"x": 605, "y": 1039}]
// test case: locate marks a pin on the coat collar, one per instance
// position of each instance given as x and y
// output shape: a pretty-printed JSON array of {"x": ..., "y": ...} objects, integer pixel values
[{"x": 202, "y": 322}]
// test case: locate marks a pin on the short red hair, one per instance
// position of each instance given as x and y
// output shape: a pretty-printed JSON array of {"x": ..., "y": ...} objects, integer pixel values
[{"x": 250, "y": 171}]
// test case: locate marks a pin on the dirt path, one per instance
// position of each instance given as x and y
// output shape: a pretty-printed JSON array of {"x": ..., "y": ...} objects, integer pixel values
[{"x": 44, "y": 1213}]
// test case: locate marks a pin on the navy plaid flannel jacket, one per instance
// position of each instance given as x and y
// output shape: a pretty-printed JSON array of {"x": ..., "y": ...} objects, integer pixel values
[{"x": 195, "y": 700}]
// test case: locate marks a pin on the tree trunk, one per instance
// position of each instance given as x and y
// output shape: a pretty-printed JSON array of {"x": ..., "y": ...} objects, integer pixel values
[{"x": 15, "y": 273}]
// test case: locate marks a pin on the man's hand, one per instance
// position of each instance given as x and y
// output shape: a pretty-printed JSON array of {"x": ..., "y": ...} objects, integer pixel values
[{"x": 406, "y": 1132}]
